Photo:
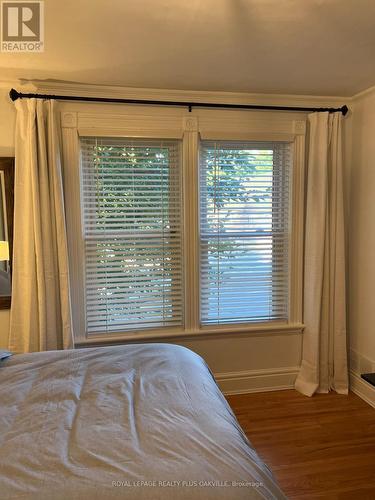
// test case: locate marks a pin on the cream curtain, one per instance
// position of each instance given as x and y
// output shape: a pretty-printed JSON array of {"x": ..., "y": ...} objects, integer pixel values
[
  {"x": 40, "y": 316},
  {"x": 324, "y": 356}
]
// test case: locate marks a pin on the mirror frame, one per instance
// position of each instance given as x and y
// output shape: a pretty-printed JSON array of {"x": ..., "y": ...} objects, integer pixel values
[{"x": 7, "y": 166}]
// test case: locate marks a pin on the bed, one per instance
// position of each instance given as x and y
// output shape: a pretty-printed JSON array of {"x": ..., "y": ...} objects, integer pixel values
[{"x": 143, "y": 422}]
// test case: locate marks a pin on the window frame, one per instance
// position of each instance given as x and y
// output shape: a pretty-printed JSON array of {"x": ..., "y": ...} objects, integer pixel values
[
  {"x": 95, "y": 235},
  {"x": 205, "y": 236},
  {"x": 98, "y": 120}
]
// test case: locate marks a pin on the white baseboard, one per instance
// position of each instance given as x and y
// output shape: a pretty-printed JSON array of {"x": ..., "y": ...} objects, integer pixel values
[
  {"x": 362, "y": 388},
  {"x": 257, "y": 380},
  {"x": 277, "y": 379},
  {"x": 360, "y": 363}
]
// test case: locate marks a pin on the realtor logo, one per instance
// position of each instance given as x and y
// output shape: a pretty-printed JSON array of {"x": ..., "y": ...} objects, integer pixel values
[{"x": 22, "y": 26}]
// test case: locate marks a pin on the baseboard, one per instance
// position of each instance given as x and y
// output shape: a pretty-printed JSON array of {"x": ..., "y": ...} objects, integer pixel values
[
  {"x": 362, "y": 388},
  {"x": 360, "y": 363},
  {"x": 243, "y": 382},
  {"x": 277, "y": 379}
]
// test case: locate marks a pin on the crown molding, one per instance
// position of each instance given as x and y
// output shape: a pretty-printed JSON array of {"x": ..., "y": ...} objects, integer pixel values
[
  {"x": 66, "y": 88},
  {"x": 362, "y": 95},
  {"x": 19, "y": 84}
]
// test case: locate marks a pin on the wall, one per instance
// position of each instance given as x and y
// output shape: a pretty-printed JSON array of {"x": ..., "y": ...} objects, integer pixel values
[
  {"x": 242, "y": 362},
  {"x": 362, "y": 235}
]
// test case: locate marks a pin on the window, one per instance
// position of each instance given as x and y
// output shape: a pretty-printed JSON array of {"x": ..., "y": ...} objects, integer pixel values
[
  {"x": 183, "y": 224},
  {"x": 244, "y": 231},
  {"x": 132, "y": 216}
]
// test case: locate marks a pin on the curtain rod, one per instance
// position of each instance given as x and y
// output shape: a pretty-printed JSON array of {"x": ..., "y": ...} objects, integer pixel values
[{"x": 14, "y": 95}]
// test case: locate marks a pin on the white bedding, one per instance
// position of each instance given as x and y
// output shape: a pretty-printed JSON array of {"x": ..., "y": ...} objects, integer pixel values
[{"x": 94, "y": 423}]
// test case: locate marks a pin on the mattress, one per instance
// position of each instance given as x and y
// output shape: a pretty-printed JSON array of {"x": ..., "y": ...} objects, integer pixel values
[{"x": 143, "y": 422}]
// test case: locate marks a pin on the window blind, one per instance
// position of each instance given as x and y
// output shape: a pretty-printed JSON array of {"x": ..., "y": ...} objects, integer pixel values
[
  {"x": 244, "y": 231},
  {"x": 131, "y": 192}
]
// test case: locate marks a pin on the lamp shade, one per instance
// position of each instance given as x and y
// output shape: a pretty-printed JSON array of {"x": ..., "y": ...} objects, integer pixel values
[{"x": 4, "y": 250}]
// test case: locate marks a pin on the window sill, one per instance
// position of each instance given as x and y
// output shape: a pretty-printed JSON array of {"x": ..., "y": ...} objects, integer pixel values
[{"x": 204, "y": 332}]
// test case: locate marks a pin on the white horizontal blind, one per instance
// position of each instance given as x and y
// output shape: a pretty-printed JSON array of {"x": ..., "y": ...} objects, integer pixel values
[
  {"x": 244, "y": 231},
  {"x": 131, "y": 193}
]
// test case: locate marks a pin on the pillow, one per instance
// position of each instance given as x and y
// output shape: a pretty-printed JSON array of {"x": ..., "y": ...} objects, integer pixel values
[{"x": 4, "y": 354}]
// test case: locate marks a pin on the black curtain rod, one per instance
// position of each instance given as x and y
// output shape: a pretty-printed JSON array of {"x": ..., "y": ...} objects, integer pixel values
[{"x": 14, "y": 95}]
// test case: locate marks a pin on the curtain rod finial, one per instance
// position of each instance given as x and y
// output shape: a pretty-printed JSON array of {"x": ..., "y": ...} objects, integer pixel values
[
  {"x": 344, "y": 110},
  {"x": 14, "y": 95}
]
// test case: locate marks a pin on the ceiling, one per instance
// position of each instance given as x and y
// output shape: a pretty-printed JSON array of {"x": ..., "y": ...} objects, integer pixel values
[{"x": 317, "y": 47}]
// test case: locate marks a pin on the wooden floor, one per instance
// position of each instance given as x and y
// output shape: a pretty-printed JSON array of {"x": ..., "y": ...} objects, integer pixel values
[{"x": 320, "y": 447}]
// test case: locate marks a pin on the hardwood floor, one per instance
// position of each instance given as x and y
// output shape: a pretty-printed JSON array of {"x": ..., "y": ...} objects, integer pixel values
[{"x": 318, "y": 448}]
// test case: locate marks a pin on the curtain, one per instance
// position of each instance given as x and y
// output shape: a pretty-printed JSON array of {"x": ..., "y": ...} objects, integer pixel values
[
  {"x": 40, "y": 317},
  {"x": 324, "y": 353}
]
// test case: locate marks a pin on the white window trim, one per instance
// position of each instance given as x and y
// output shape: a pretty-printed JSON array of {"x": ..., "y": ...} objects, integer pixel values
[{"x": 79, "y": 119}]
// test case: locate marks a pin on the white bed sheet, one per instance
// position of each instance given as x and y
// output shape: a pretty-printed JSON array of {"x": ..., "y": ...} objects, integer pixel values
[{"x": 142, "y": 422}]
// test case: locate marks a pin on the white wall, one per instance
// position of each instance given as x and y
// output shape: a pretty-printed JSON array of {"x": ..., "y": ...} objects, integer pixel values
[{"x": 362, "y": 235}]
